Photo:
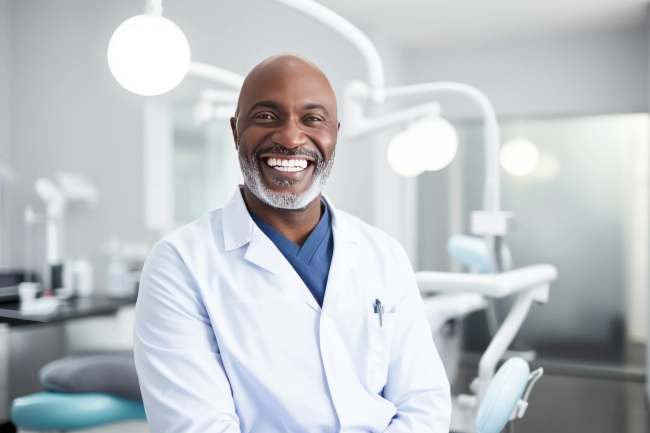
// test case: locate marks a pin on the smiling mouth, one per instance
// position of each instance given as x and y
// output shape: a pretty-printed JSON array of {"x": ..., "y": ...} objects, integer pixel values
[{"x": 287, "y": 164}]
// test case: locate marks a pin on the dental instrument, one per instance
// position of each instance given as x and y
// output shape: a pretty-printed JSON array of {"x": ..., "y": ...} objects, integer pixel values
[{"x": 68, "y": 191}]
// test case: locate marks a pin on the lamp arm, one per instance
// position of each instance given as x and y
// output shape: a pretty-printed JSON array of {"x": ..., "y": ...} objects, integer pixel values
[
  {"x": 506, "y": 334},
  {"x": 220, "y": 96},
  {"x": 213, "y": 73},
  {"x": 153, "y": 7},
  {"x": 365, "y": 125},
  {"x": 348, "y": 30},
  {"x": 492, "y": 194}
]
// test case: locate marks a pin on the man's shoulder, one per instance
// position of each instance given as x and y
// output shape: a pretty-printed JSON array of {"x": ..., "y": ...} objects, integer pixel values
[
  {"x": 371, "y": 236},
  {"x": 196, "y": 232}
]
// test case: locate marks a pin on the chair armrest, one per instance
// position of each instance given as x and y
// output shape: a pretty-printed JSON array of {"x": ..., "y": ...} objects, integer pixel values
[{"x": 492, "y": 285}]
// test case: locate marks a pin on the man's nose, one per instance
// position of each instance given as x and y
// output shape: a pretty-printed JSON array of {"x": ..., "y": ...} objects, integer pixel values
[{"x": 290, "y": 135}]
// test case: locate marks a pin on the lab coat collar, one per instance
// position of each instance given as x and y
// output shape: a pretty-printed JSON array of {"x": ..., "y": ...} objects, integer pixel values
[
  {"x": 237, "y": 223},
  {"x": 239, "y": 229},
  {"x": 238, "y": 226}
]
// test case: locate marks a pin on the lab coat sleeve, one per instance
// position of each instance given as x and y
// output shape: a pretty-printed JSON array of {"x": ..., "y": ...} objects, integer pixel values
[
  {"x": 184, "y": 386},
  {"x": 417, "y": 383}
]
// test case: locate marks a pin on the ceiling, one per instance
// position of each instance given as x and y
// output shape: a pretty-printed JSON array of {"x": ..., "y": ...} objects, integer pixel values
[{"x": 436, "y": 22}]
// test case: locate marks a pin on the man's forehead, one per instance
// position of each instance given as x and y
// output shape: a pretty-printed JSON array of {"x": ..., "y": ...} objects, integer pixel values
[{"x": 287, "y": 79}]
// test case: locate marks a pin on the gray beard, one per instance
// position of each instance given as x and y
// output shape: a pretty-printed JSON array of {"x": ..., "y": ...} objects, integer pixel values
[{"x": 284, "y": 200}]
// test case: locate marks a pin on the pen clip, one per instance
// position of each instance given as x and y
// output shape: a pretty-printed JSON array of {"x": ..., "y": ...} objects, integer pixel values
[{"x": 379, "y": 309}]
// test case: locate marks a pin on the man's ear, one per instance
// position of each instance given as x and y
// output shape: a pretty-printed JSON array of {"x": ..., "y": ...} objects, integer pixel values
[
  {"x": 338, "y": 127},
  {"x": 233, "y": 126}
]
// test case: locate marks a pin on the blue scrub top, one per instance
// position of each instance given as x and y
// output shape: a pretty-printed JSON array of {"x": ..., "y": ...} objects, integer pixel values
[{"x": 311, "y": 261}]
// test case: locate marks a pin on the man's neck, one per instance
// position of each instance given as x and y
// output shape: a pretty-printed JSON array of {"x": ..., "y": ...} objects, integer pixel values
[{"x": 295, "y": 225}]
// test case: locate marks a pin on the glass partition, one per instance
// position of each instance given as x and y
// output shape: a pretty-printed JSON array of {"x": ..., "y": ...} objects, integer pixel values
[
  {"x": 580, "y": 199},
  {"x": 205, "y": 168}
]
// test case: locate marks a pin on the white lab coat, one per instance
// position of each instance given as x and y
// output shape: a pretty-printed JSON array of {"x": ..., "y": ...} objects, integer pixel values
[{"x": 228, "y": 338}]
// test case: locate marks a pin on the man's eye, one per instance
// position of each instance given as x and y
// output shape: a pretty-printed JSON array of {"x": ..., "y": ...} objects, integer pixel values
[
  {"x": 312, "y": 119},
  {"x": 264, "y": 116}
]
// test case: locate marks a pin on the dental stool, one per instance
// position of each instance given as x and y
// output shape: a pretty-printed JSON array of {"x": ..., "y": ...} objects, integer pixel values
[
  {"x": 86, "y": 391},
  {"x": 57, "y": 411}
]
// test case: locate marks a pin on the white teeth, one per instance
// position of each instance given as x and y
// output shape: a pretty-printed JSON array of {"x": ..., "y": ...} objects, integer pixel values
[{"x": 287, "y": 164}]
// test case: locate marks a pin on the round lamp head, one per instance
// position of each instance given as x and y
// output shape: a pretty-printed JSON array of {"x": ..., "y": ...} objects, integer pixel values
[
  {"x": 435, "y": 141},
  {"x": 148, "y": 55},
  {"x": 519, "y": 157},
  {"x": 402, "y": 155}
]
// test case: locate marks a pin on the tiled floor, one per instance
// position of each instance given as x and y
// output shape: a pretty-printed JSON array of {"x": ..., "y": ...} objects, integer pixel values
[{"x": 560, "y": 404}]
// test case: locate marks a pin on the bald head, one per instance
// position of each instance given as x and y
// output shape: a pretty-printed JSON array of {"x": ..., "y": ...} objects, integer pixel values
[{"x": 289, "y": 68}]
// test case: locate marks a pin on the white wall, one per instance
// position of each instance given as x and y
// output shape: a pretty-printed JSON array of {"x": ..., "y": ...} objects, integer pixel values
[
  {"x": 4, "y": 110},
  {"x": 570, "y": 74},
  {"x": 4, "y": 77},
  {"x": 647, "y": 320},
  {"x": 68, "y": 113}
]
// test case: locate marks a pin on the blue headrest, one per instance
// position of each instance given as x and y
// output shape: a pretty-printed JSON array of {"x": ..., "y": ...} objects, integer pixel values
[
  {"x": 502, "y": 395},
  {"x": 472, "y": 251}
]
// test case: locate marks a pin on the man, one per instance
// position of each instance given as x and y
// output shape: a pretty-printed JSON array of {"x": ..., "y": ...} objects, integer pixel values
[{"x": 278, "y": 312}]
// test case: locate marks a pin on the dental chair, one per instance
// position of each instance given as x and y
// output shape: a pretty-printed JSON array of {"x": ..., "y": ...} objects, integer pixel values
[{"x": 449, "y": 297}]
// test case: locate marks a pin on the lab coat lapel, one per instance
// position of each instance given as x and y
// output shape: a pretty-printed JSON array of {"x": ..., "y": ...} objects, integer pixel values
[
  {"x": 239, "y": 229},
  {"x": 344, "y": 257},
  {"x": 263, "y": 252}
]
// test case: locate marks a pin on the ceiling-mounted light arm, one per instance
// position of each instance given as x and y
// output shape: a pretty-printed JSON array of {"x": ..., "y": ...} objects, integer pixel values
[
  {"x": 357, "y": 124},
  {"x": 153, "y": 7},
  {"x": 336, "y": 22},
  {"x": 213, "y": 73},
  {"x": 367, "y": 125},
  {"x": 219, "y": 96}
]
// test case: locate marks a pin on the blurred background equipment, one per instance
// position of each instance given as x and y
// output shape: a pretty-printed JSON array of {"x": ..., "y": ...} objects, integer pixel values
[
  {"x": 72, "y": 190},
  {"x": 569, "y": 86}
]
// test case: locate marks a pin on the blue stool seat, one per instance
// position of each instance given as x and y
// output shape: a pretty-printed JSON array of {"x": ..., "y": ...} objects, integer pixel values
[{"x": 59, "y": 411}]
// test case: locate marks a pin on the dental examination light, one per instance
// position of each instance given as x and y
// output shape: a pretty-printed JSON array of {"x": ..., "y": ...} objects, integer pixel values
[
  {"x": 402, "y": 155},
  {"x": 429, "y": 143},
  {"x": 519, "y": 157},
  {"x": 148, "y": 54}
]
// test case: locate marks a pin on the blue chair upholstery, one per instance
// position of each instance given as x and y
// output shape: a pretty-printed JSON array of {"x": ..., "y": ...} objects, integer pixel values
[
  {"x": 502, "y": 395},
  {"x": 45, "y": 411},
  {"x": 472, "y": 251}
]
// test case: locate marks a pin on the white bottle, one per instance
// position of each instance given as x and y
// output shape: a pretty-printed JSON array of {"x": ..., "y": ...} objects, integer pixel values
[
  {"x": 83, "y": 277},
  {"x": 116, "y": 273}
]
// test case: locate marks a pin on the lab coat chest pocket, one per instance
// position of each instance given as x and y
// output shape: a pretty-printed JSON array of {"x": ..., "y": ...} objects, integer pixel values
[{"x": 380, "y": 336}]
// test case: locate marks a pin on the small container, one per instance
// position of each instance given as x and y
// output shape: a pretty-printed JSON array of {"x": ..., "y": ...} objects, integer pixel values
[
  {"x": 83, "y": 277},
  {"x": 117, "y": 280},
  {"x": 28, "y": 291}
]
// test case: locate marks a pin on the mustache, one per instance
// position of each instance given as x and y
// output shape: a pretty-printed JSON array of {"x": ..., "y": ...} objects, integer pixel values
[{"x": 298, "y": 151}]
